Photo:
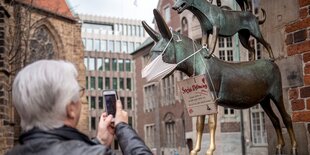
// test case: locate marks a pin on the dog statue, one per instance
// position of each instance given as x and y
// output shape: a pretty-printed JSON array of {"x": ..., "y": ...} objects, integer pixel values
[{"x": 224, "y": 23}]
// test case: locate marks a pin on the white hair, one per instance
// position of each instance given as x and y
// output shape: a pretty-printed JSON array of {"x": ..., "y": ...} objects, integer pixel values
[{"x": 41, "y": 92}]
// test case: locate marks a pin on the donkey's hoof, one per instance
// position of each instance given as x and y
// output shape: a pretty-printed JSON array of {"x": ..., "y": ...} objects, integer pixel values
[
  {"x": 279, "y": 151},
  {"x": 193, "y": 152},
  {"x": 294, "y": 151}
]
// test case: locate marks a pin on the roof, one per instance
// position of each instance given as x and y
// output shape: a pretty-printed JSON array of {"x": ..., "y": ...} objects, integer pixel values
[
  {"x": 59, "y": 7},
  {"x": 147, "y": 42}
]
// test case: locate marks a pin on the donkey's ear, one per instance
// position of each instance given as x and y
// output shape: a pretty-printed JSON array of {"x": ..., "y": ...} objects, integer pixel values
[
  {"x": 162, "y": 26},
  {"x": 153, "y": 34}
]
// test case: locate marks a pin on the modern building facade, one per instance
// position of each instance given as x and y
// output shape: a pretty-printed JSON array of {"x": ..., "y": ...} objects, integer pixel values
[{"x": 107, "y": 44}]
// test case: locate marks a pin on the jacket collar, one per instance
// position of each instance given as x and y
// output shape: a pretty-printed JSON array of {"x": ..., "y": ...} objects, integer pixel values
[{"x": 63, "y": 133}]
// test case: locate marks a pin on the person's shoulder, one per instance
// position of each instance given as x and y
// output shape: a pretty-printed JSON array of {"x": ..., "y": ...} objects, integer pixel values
[{"x": 79, "y": 147}]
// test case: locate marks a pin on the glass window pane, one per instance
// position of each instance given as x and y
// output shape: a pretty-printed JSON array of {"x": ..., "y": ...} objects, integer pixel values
[
  {"x": 114, "y": 64},
  {"x": 111, "y": 46},
  {"x": 107, "y": 83},
  {"x": 122, "y": 100},
  {"x": 99, "y": 64},
  {"x": 84, "y": 43},
  {"x": 100, "y": 83},
  {"x": 120, "y": 64},
  {"x": 128, "y": 65},
  {"x": 100, "y": 103},
  {"x": 97, "y": 45},
  {"x": 125, "y": 47},
  {"x": 103, "y": 45},
  {"x": 91, "y": 64},
  {"x": 93, "y": 102},
  {"x": 117, "y": 46},
  {"x": 129, "y": 30},
  {"x": 86, "y": 63},
  {"x": 130, "y": 47},
  {"x": 92, "y": 83},
  {"x": 89, "y": 44},
  {"x": 86, "y": 82},
  {"x": 107, "y": 64},
  {"x": 121, "y": 83},
  {"x": 129, "y": 103},
  {"x": 130, "y": 121},
  {"x": 125, "y": 30},
  {"x": 114, "y": 83},
  {"x": 128, "y": 82},
  {"x": 93, "y": 123}
]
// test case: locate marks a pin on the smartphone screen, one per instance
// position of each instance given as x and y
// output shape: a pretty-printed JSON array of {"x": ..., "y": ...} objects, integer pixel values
[{"x": 110, "y": 101}]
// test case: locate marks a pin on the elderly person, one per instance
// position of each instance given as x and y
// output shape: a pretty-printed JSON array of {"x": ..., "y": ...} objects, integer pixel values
[{"x": 46, "y": 95}]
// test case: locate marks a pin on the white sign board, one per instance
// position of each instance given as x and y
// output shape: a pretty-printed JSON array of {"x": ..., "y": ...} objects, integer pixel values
[{"x": 197, "y": 96}]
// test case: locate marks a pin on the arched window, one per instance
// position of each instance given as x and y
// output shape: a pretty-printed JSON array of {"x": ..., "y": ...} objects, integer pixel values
[
  {"x": 42, "y": 45},
  {"x": 170, "y": 130}
]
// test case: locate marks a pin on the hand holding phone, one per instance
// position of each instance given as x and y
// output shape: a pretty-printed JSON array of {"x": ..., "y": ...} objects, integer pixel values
[{"x": 110, "y": 97}]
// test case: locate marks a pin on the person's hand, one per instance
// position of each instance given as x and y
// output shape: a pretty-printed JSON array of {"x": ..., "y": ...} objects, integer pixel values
[
  {"x": 105, "y": 130},
  {"x": 121, "y": 115}
]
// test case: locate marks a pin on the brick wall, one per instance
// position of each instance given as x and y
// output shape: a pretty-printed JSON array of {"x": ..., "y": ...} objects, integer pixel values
[
  {"x": 298, "y": 43},
  {"x": 6, "y": 130}
]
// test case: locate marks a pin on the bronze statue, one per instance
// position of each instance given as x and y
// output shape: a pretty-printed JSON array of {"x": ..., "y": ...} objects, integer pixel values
[
  {"x": 214, "y": 20},
  {"x": 241, "y": 3},
  {"x": 236, "y": 85}
]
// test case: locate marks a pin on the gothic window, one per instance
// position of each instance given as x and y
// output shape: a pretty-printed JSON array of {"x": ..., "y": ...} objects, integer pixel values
[
  {"x": 42, "y": 45},
  {"x": 170, "y": 130}
]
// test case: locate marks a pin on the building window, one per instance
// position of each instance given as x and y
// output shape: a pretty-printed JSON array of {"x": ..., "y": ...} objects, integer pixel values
[
  {"x": 259, "y": 136},
  {"x": 117, "y": 46},
  {"x": 92, "y": 102},
  {"x": 137, "y": 45},
  {"x": 168, "y": 90},
  {"x": 91, "y": 64},
  {"x": 167, "y": 14},
  {"x": 99, "y": 64},
  {"x": 93, "y": 123},
  {"x": 86, "y": 63},
  {"x": 89, "y": 44},
  {"x": 123, "y": 101},
  {"x": 92, "y": 83},
  {"x": 103, "y": 45},
  {"x": 170, "y": 130},
  {"x": 131, "y": 47},
  {"x": 257, "y": 47},
  {"x": 86, "y": 82},
  {"x": 114, "y": 83},
  {"x": 130, "y": 121},
  {"x": 128, "y": 83},
  {"x": 229, "y": 112},
  {"x": 226, "y": 49},
  {"x": 97, "y": 45},
  {"x": 138, "y": 31},
  {"x": 120, "y": 64},
  {"x": 100, "y": 83},
  {"x": 107, "y": 64},
  {"x": 149, "y": 135},
  {"x": 114, "y": 64},
  {"x": 107, "y": 83},
  {"x": 129, "y": 103},
  {"x": 125, "y": 47},
  {"x": 125, "y": 30},
  {"x": 121, "y": 83},
  {"x": 111, "y": 46},
  {"x": 149, "y": 97},
  {"x": 128, "y": 65},
  {"x": 100, "y": 103}
]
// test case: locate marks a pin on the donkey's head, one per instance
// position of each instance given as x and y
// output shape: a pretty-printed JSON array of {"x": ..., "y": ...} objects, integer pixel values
[
  {"x": 181, "y": 5},
  {"x": 173, "y": 46}
]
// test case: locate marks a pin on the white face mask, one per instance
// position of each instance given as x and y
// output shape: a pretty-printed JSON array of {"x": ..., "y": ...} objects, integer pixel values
[{"x": 157, "y": 69}]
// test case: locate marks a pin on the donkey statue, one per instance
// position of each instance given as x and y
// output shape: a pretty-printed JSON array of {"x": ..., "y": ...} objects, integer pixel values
[
  {"x": 236, "y": 85},
  {"x": 224, "y": 23},
  {"x": 244, "y": 4}
]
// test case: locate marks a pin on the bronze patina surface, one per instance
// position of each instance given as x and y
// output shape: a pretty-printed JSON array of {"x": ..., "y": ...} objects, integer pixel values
[{"x": 236, "y": 85}]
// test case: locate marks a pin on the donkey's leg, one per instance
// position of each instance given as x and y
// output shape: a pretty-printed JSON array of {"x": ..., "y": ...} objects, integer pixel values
[
  {"x": 199, "y": 128},
  {"x": 244, "y": 36},
  {"x": 287, "y": 122},
  {"x": 212, "y": 127},
  {"x": 275, "y": 122}
]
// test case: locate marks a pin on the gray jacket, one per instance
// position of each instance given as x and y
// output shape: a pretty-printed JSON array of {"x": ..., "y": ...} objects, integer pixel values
[{"x": 69, "y": 141}]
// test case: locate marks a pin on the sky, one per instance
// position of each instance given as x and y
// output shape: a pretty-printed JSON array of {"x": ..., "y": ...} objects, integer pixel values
[{"x": 130, "y": 9}]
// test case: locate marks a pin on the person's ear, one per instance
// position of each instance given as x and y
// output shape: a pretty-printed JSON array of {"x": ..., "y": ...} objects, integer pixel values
[{"x": 71, "y": 110}]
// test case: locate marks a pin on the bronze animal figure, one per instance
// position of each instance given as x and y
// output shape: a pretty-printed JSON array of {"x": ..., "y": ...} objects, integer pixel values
[
  {"x": 244, "y": 4},
  {"x": 236, "y": 85},
  {"x": 219, "y": 22}
]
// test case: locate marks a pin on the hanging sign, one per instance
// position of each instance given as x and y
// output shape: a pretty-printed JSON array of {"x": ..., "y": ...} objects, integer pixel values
[{"x": 197, "y": 96}]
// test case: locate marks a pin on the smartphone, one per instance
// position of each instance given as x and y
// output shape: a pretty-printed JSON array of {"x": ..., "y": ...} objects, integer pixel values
[{"x": 110, "y": 97}]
